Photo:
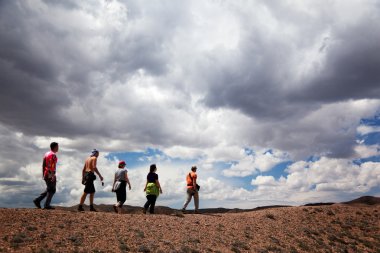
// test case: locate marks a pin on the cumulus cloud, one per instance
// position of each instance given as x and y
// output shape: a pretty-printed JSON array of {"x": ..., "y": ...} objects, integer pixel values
[
  {"x": 260, "y": 161},
  {"x": 365, "y": 129},
  {"x": 115, "y": 69},
  {"x": 321, "y": 178},
  {"x": 364, "y": 151},
  {"x": 264, "y": 180},
  {"x": 197, "y": 80}
]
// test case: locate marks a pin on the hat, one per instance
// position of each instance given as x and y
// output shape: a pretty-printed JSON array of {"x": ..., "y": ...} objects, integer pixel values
[
  {"x": 122, "y": 163},
  {"x": 94, "y": 152}
]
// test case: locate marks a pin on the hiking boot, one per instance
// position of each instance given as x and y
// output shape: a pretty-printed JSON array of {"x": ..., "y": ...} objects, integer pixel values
[
  {"x": 80, "y": 208},
  {"x": 92, "y": 209},
  {"x": 49, "y": 208},
  {"x": 115, "y": 208},
  {"x": 37, "y": 203}
]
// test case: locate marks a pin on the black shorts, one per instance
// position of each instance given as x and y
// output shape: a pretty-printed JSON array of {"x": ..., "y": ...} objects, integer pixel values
[
  {"x": 89, "y": 187},
  {"x": 121, "y": 194}
]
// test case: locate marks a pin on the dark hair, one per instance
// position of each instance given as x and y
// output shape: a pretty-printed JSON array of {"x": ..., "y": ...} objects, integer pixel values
[
  {"x": 194, "y": 168},
  {"x": 152, "y": 168},
  {"x": 53, "y": 145}
]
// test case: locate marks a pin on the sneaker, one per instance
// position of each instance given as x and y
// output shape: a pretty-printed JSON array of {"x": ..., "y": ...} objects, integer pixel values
[
  {"x": 115, "y": 208},
  {"x": 183, "y": 210},
  {"x": 144, "y": 211},
  {"x": 92, "y": 209},
  {"x": 37, "y": 203},
  {"x": 80, "y": 208},
  {"x": 49, "y": 208},
  {"x": 196, "y": 212}
]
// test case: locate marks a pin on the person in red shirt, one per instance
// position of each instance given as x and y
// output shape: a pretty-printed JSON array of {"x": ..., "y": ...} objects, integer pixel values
[
  {"x": 49, "y": 165},
  {"x": 192, "y": 189}
]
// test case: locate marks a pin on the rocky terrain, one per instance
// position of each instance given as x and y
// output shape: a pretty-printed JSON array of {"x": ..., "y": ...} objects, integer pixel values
[{"x": 350, "y": 227}]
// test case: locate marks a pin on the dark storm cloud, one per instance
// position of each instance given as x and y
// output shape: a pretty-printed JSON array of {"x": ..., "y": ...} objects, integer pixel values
[
  {"x": 14, "y": 183},
  {"x": 254, "y": 78},
  {"x": 30, "y": 104},
  {"x": 73, "y": 69},
  {"x": 30, "y": 93},
  {"x": 258, "y": 79},
  {"x": 352, "y": 67},
  {"x": 252, "y": 88},
  {"x": 47, "y": 68},
  {"x": 68, "y": 4},
  {"x": 20, "y": 198},
  {"x": 262, "y": 79},
  {"x": 146, "y": 42},
  {"x": 16, "y": 152}
]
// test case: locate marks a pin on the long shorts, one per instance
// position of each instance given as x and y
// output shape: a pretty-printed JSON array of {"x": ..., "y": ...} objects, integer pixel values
[
  {"x": 121, "y": 194},
  {"x": 89, "y": 187}
]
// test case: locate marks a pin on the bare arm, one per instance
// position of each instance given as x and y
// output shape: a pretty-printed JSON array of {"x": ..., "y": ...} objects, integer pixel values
[
  {"x": 127, "y": 181},
  {"x": 96, "y": 169},
  {"x": 97, "y": 172},
  {"x": 83, "y": 171},
  {"x": 43, "y": 167},
  {"x": 158, "y": 185},
  {"x": 145, "y": 185}
]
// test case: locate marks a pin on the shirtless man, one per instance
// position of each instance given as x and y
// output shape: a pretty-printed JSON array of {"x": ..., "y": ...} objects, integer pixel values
[{"x": 88, "y": 177}]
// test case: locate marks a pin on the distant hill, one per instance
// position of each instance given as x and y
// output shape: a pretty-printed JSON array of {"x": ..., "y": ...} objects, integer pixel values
[
  {"x": 321, "y": 204},
  {"x": 367, "y": 200},
  {"x": 166, "y": 210}
]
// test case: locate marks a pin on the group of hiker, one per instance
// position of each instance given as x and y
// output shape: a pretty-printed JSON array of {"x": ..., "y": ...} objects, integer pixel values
[{"x": 121, "y": 181}]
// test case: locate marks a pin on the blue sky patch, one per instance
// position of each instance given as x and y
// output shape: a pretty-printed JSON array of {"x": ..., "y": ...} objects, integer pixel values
[
  {"x": 371, "y": 138},
  {"x": 375, "y": 159},
  {"x": 278, "y": 170},
  {"x": 375, "y": 121}
]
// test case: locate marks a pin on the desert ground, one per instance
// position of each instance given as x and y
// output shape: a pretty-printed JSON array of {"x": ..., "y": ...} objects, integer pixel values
[{"x": 319, "y": 228}]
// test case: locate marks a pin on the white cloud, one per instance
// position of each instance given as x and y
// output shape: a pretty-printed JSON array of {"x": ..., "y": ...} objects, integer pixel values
[
  {"x": 364, "y": 151},
  {"x": 322, "y": 178},
  {"x": 261, "y": 161},
  {"x": 264, "y": 180},
  {"x": 364, "y": 129}
]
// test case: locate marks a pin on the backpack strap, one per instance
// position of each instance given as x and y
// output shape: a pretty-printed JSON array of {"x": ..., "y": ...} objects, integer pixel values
[{"x": 192, "y": 182}]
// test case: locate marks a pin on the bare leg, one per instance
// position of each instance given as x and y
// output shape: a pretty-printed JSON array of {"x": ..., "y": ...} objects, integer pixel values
[
  {"x": 92, "y": 198},
  {"x": 83, "y": 198}
]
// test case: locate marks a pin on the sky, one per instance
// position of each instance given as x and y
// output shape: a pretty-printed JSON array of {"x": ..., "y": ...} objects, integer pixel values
[{"x": 275, "y": 102}]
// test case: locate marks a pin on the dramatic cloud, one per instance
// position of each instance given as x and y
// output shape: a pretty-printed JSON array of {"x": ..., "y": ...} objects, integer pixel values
[
  {"x": 325, "y": 176},
  {"x": 201, "y": 83}
]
